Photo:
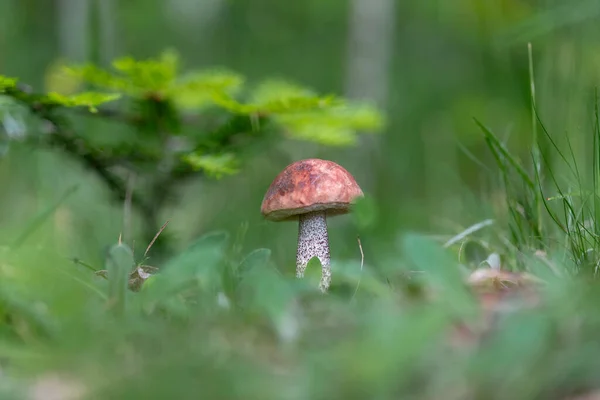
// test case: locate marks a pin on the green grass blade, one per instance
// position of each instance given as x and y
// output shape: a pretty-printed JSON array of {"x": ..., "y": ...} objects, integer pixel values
[
  {"x": 516, "y": 232},
  {"x": 535, "y": 143},
  {"x": 119, "y": 263},
  {"x": 493, "y": 139},
  {"x": 547, "y": 206},
  {"x": 596, "y": 163},
  {"x": 557, "y": 147}
]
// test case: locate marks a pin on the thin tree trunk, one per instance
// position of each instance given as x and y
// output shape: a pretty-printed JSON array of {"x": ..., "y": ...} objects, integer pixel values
[
  {"x": 192, "y": 15},
  {"x": 107, "y": 30},
  {"x": 73, "y": 29},
  {"x": 369, "y": 56},
  {"x": 6, "y": 10},
  {"x": 370, "y": 43}
]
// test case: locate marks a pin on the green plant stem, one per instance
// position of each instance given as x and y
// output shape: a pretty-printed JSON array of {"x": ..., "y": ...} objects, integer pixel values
[{"x": 534, "y": 142}]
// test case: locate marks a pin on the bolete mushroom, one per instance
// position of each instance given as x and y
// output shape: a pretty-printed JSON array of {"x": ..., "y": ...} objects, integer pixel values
[{"x": 310, "y": 191}]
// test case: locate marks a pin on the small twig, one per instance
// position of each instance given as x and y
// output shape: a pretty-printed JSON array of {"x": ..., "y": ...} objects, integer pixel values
[
  {"x": 77, "y": 261},
  {"x": 362, "y": 261},
  {"x": 468, "y": 231},
  {"x": 362, "y": 255},
  {"x": 108, "y": 114},
  {"x": 112, "y": 114},
  {"x": 156, "y": 237}
]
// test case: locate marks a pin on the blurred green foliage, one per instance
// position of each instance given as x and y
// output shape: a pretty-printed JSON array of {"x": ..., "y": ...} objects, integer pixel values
[
  {"x": 154, "y": 95},
  {"x": 299, "y": 111}
]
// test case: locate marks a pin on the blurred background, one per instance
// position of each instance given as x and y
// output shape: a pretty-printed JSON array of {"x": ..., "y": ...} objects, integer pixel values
[{"x": 431, "y": 65}]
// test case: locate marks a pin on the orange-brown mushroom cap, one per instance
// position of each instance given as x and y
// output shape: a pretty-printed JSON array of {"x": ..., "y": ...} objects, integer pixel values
[{"x": 307, "y": 186}]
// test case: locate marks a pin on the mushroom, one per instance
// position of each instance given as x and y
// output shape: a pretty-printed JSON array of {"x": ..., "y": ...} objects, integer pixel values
[{"x": 310, "y": 190}]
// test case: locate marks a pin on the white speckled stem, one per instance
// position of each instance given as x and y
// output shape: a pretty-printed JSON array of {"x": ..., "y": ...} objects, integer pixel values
[{"x": 313, "y": 241}]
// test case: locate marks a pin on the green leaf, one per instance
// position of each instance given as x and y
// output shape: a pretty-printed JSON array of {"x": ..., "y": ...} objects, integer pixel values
[
  {"x": 197, "y": 266},
  {"x": 256, "y": 259},
  {"x": 135, "y": 77},
  {"x": 86, "y": 99},
  {"x": 99, "y": 77},
  {"x": 391, "y": 343},
  {"x": 227, "y": 102},
  {"x": 278, "y": 97},
  {"x": 278, "y": 90},
  {"x": 198, "y": 89},
  {"x": 304, "y": 115},
  {"x": 295, "y": 104},
  {"x": 262, "y": 288},
  {"x": 440, "y": 271},
  {"x": 119, "y": 264},
  {"x": 300, "y": 111},
  {"x": 151, "y": 75},
  {"x": 214, "y": 165},
  {"x": 351, "y": 273},
  {"x": 334, "y": 126},
  {"x": 7, "y": 83}
]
